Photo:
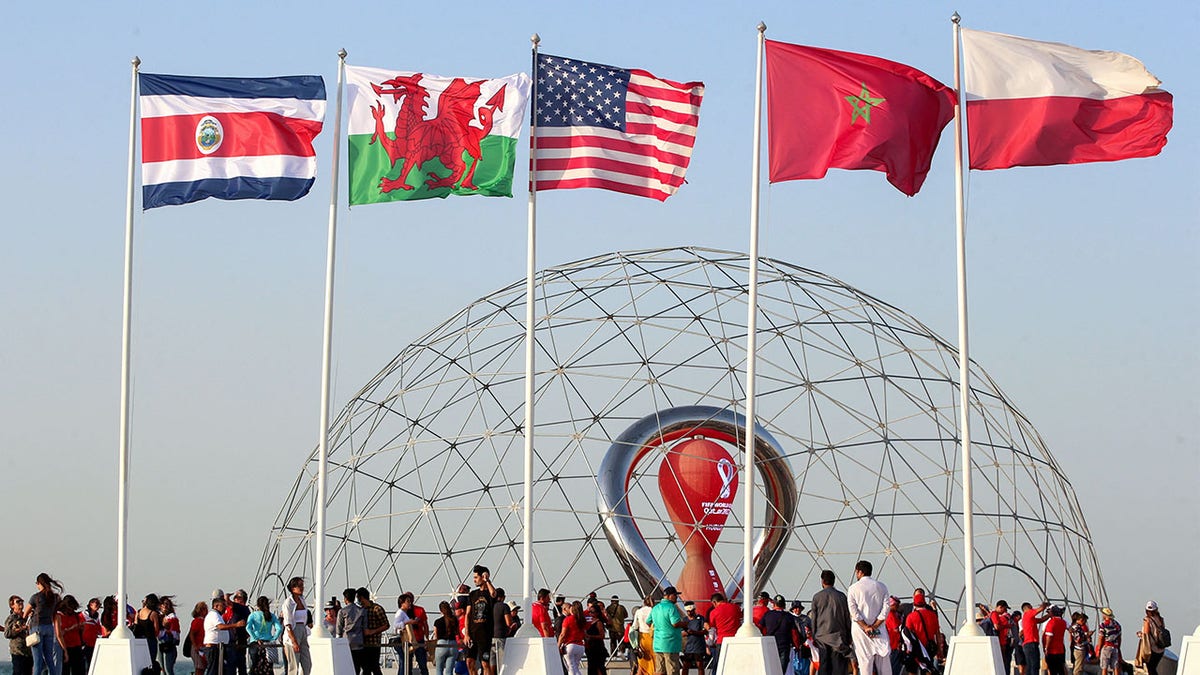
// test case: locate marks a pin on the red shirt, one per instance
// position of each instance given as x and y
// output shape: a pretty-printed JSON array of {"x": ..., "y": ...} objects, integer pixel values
[
  {"x": 572, "y": 632},
  {"x": 541, "y": 620},
  {"x": 757, "y": 614},
  {"x": 893, "y": 629},
  {"x": 91, "y": 631},
  {"x": 1001, "y": 623},
  {"x": 1029, "y": 626},
  {"x": 726, "y": 618},
  {"x": 1056, "y": 627},
  {"x": 421, "y": 625},
  {"x": 923, "y": 622},
  {"x": 71, "y": 636},
  {"x": 196, "y": 632}
]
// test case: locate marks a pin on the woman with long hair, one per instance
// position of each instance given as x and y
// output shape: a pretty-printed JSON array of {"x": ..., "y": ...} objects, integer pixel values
[
  {"x": 571, "y": 637},
  {"x": 148, "y": 624},
  {"x": 108, "y": 616},
  {"x": 296, "y": 619},
  {"x": 70, "y": 625},
  {"x": 262, "y": 627},
  {"x": 444, "y": 629},
  {"x": 168, "y": 635},
  {"x": 1148, "y": 636},
  {"x": 42, "y": 615},
  {"x": 594, "y": 635},
  {"x": 196, "y": 636}
]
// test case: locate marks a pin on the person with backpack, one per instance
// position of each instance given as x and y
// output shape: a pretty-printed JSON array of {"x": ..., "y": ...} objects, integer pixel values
[
  {"x": 1154, "y": 637},
  {"x": 922, "y": 623}
]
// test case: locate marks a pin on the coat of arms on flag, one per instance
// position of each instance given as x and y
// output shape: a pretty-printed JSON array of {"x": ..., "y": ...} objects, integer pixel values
[{"x": 416, "y": 136}]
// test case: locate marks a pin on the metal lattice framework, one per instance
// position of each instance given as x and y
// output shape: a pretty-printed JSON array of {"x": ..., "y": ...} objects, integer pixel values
[{"x": 425, "y": 461}]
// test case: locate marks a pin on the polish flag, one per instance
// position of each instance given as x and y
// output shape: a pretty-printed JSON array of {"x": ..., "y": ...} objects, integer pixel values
[{"x": 1032, "y": 103}]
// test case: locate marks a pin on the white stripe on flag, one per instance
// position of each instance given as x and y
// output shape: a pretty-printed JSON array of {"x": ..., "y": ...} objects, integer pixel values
[
  {"x": 167, "y": 105},
  {"x": 998, "y": 66},
  {"x": 614, "y": 176},
  {"x": 186, "y": 170},
  {"x": 613, "y": 135},
  {"x": 609, "y": 154}
]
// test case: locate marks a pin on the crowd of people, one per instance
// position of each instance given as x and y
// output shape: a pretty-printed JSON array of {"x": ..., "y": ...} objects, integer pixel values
[{"x": 863, "y": 631}]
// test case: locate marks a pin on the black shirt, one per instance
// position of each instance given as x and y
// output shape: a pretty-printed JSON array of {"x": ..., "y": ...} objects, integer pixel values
[{"x": 480, "y": 618}]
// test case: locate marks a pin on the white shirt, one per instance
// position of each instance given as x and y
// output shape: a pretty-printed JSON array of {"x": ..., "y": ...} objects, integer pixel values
[
  {"x": 640, "y": 618},
  {"x": 213, "y": 635},
  {"x": 867, "y": 599},
  {"x": 400, "y": 621}
]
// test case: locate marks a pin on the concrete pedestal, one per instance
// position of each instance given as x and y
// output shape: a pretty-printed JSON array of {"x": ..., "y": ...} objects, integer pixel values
[
  {"x": 974, "y": 655},
  {"x": 330, "y": 656},
  {"x": 749, "y": 656},
  {"x": 531, "y": 656},
  {"x": 116, "y": 656},
  {"x": 1189, "y": 654}
]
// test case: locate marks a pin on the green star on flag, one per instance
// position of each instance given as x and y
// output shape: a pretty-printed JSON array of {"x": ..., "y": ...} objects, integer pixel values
[{"x": 860, "y": 106}]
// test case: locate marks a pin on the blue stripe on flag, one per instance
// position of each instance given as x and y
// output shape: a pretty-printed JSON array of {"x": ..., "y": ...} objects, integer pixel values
[
  {"x": 308, "y": 87},
  {"x": 172, "y": 194}
]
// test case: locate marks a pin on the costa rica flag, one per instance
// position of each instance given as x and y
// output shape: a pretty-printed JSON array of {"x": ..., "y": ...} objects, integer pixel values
[{"x": 228, "y": 137}]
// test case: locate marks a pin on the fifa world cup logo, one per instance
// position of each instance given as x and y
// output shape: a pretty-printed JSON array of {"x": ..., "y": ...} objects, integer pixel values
[{"x": 698, "y": 482}]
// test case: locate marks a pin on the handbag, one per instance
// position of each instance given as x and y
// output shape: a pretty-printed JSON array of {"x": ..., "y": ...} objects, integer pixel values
[{"x": 33, "y": 639}]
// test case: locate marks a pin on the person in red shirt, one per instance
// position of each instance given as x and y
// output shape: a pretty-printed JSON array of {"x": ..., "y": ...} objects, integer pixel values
[
  {"x": 725, "y": 618},
  {"x": 1053, "y": 642},
  {"x": 570, "y": 639},
  {"x": 922, "y": 622},
  {"x": 540, "y": 615},
  {"x": 1002, "y": 623},
  {"x": 1030, "y": 620},
  {"x": 895, "y": 641},
  {"x": 71, "y": 623},
  {"x": 760, "y": 609}
]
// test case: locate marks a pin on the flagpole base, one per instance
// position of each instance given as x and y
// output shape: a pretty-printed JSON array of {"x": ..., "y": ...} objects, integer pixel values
[
  {"x": 1189, "y": 654},
  {"x": 531, "y": 656},
  {"x": 330, "y": 656},
  {"x": 749, "y": 656},
  {"x": 117, "y": 656},
  {"x": 974, "y": 655}
]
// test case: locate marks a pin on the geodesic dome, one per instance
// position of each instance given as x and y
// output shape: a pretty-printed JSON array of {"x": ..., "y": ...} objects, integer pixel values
[{"x": 425, "y": 464}]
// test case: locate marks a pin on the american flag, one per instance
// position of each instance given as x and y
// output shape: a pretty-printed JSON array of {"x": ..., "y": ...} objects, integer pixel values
[{"x": 612, "y": 128}]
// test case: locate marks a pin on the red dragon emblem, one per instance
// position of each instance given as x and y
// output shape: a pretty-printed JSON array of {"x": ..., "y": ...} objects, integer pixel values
[{"x": 446, "y": 137}]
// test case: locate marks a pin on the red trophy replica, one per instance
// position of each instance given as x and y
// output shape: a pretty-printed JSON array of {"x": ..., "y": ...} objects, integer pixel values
[{"x": 698, "y": 481}]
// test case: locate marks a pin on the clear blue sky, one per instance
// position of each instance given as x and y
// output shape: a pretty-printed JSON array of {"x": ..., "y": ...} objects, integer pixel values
[{"x": 1083, "y": 279}]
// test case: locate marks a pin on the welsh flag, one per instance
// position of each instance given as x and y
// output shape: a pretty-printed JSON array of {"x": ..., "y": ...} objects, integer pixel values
[{"x": 417, "y": 136}]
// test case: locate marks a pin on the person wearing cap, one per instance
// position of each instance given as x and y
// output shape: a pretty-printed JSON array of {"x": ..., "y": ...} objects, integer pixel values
[
  {"x": 331, "y": 612},
  {"x": 923, "y": 623},
  {"x": 831, "y": 627},
  {"x": 867, "y": 600},
  {"x": 1001, "y": 623},
  {"x": 1151, "y": 642},
  {"x": 1109, "y": 641},
  {"x": 617, "y": 614},
  {"x": 666, "y": 621},
  {"x": 695, "y": 652},
  {"x": 778, "y": 624},
  {"x": 894, "y": 625},
  {"x": 761, "y": 607},
  {"x": 1053, "y": 643},
  {"x": 802, "y": 657}
]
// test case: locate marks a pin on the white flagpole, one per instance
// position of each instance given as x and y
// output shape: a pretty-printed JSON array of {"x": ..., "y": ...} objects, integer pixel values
[
  {"x": 528, "y": 630},
  {"x": 121, "y": 632},
  {"x": 747, "y": 629},
  {"x": 326, "y": 351},
  {"x": 969, "y": 628}
]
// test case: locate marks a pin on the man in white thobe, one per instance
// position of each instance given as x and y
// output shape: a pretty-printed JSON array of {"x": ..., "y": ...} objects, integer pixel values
[{"x": 867, "y": 599}]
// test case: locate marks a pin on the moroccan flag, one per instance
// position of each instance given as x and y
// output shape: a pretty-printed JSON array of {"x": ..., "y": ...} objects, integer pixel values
[
  {"x": 1032, "y": 103},
  {"x": 228, "y": 137},
  {"x": 830, "y": 109},
  {"x": 416, "y": 136}
]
